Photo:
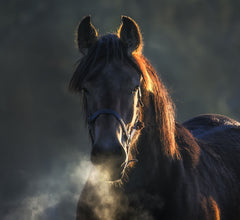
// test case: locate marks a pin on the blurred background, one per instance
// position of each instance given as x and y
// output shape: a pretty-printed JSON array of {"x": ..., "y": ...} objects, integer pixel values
[{"x": 193, "y": 44}]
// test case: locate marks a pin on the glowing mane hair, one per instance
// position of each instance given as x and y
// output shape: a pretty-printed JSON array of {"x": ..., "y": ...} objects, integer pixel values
[{"x": 164, "y": 107}]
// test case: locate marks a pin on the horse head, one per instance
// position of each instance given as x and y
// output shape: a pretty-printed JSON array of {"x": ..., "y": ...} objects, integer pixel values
[{"x": 110, "y": 81}]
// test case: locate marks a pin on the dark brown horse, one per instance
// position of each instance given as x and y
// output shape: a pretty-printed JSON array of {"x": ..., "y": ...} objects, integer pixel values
[{"x": 147, "y": 166}]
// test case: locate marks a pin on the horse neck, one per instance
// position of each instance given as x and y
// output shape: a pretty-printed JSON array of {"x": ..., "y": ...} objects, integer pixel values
[
  {"x": 152, "y": 163},
  {"x": 151, "y": 143}
]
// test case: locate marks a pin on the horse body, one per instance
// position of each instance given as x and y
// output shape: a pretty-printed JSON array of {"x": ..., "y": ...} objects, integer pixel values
[
  {"x": 184, "y": 171},
  {"x": 203, "y": 184},
  {"x": 218, "y": 169}
]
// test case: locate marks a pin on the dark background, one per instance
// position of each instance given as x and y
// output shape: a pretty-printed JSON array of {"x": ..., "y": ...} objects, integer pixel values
[{"x": 194, "y": 44}]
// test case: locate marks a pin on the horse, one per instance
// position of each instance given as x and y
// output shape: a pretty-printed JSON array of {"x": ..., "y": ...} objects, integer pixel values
[{"x": 145, "y": 164}]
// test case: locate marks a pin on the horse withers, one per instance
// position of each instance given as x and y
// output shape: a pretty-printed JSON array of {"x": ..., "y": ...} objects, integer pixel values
[{"x": 146, "y": 165}]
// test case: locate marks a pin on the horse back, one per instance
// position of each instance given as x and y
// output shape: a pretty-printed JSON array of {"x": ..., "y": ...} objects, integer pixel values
[
  {"x": 218, "y": 137},
  {"x": 206, "y": 126}
]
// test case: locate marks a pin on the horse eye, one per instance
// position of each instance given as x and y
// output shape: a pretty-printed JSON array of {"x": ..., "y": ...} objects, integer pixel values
[{"x": 85, "y": 90}]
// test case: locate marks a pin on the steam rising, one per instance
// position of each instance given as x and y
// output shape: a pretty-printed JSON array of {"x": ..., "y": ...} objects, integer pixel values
[
  {"x": 100, "y": 194},
  {"x": 55, "y": 196},
  {"x": 108, "y": 201}
]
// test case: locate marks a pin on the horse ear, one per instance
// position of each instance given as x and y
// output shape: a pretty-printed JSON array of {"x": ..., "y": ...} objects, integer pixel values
[
  {"x": 86, "y": 35},
  {"x": 130, "y": 35}
]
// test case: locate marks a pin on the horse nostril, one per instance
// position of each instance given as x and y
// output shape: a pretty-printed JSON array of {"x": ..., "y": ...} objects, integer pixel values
[{"x": 103, "y": 153}]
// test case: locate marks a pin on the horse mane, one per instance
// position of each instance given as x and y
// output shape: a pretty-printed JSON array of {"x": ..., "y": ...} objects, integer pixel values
[
  {"x": 164, "y": 107},
  {"x": 110, "y": 47}
]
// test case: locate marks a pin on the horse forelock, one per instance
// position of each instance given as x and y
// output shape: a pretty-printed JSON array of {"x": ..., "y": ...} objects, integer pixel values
[{"x": 107, "y": 48}]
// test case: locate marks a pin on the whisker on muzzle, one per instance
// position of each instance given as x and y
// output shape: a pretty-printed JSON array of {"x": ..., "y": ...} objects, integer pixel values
[{"x": 126, "y": 163}]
